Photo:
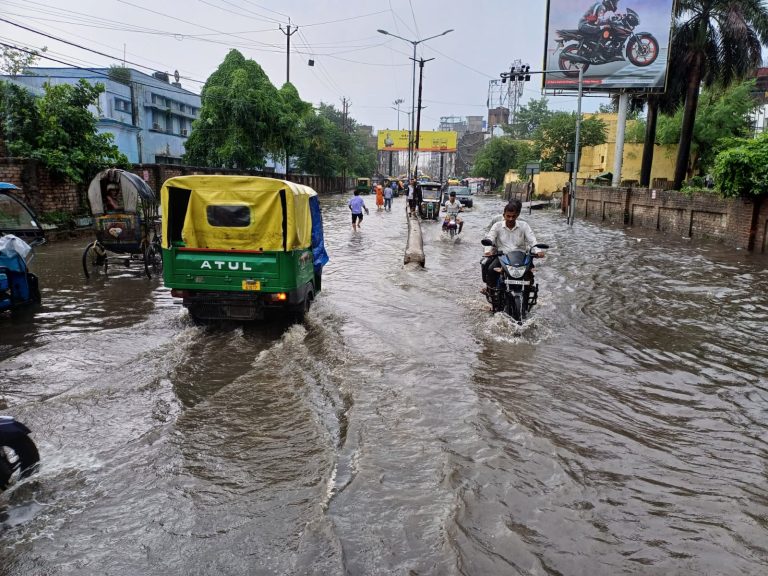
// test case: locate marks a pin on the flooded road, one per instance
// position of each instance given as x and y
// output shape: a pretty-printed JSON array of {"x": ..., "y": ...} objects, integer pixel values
[{"x": 402, "y": 429}]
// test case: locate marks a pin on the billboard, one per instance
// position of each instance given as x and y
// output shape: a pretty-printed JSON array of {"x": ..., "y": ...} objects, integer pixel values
[
  {"x": 621, "y": 49},
  {"x": 395, "y": 140}
]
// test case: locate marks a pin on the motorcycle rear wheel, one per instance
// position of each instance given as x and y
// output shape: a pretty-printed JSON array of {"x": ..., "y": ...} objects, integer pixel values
[
  {"x": 17, "y": 453},
  {"x": 569, "y": 65},
  {"x": 642, "y": 50}
]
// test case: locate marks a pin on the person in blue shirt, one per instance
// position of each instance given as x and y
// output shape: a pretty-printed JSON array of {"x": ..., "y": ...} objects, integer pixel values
[{"x": 356, "y": 206}]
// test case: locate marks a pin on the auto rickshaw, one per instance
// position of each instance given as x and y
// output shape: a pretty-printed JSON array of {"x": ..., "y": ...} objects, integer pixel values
[
  {"x": 20, "y": 232},
  {"x": 429, "y": 209},
  {"x": 126, "y": 221},
  {"x": 239, "y": 247},
  {"x": 363, "y": 185}
]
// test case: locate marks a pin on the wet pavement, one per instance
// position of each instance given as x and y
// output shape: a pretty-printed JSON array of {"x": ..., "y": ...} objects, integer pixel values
[{"x": 403, "y": 429}]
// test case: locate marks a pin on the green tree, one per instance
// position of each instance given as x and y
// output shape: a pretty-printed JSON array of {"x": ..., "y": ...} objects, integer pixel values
[
  {"x": 13, "y": 60},
  {"x": 558, "y": 134},
  {"x": 240, "y": 117},
  {"x": 721, "y": 42},
  {"x": 292, "y": 119},
  {"x": 59, "y": 130},
  {"x": 742, "y": 170},
  {"x": 318, "y": 154},
  {"x": 723, "y": 114},
  {"x": 500, "y": 155},
  {"x": 529, "y": 118}
]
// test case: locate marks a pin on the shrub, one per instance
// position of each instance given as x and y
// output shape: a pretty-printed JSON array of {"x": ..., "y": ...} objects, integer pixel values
[{"x": 742, "y": 170}]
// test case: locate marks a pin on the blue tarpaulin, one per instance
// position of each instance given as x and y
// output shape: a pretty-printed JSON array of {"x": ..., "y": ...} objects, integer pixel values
[{"x": 319, "y": 255}]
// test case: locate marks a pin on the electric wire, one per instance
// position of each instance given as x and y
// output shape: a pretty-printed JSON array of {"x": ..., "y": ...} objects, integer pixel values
[
  {"x": 88, "y": 49},
  {"x": 94, "y": 70}
]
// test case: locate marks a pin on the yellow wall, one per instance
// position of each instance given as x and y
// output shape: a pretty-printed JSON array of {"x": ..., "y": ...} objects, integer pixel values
[{"x": 599, "y": 159}]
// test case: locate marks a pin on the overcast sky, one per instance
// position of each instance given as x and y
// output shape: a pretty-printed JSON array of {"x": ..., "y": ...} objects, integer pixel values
[{"x": 352, "y": 60}]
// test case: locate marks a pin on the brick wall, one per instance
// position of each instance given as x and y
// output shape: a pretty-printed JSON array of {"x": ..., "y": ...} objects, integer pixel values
[
  {"x": 156, "y": 174},
  {"x": 739, "y": 222},
  {"x": 40, "y": 190},
  {"x": 45, "y": 194}
]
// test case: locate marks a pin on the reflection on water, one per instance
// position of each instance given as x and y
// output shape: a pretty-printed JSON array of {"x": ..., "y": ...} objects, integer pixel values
[{"x": 403, "y": 428}]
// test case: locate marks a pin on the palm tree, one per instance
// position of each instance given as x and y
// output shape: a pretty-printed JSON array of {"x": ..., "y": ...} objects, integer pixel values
[{"x": 722, "y": 41}]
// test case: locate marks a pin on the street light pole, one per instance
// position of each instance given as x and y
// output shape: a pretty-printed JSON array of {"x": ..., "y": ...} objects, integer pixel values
[
  {"x": 418, "y": 118},
  {"x": 397, "y": 103},
  {"x": 411, "y": 144}
]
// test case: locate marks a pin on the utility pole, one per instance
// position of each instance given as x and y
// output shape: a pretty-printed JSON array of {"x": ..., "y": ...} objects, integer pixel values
[
  {"x": 421, "y": 62},
  {"x": 344, "y": 111},
  {"x": 288, "y": 35}
]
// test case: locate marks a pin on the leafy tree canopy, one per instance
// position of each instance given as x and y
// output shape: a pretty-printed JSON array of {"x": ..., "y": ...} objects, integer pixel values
[
  {"x": 558, "y": 134},
  {"x": 58, "y": 129},
  {"x": 722, "y": 114},
  {"x": 500, "y": 155},
  {"x": 13, "y": 61},
  {"x": 240, "y": 117},
  {"x": 529, "y": 118},
  {"x": 742, "y": 170}
]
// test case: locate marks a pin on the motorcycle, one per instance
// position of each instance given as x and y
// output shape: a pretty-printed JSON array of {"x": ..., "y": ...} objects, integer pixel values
[
  {"x": 515, "y": 292},
  {"x": 18, "y": 453},
  {"x": 616, "y": 41},
  {"x": 450, "y": 226}
]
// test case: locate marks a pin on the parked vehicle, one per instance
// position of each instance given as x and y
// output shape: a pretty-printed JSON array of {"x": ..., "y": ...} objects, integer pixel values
[
  {"x": 516, "y": 291},
  {"x": 429, "y": 209},
  {"x": 20, "y": 232},
  {"x": 618, "y": 41},
  {"x": 18, "y": 454},
  {"x": 238, "y": 247},
  {"x": 127, "y": 224},
  {"x": 463, "y": 195},
  {"x": 363, "y": 185}
]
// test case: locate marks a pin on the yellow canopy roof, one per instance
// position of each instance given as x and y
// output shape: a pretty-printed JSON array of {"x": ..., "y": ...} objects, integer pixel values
[{"x": 273, "y": 205}]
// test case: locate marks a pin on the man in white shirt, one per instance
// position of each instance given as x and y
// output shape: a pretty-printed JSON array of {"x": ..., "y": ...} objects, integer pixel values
[
  {"x": 452, "y": 208},
  {"x": 509, "y": 235}
]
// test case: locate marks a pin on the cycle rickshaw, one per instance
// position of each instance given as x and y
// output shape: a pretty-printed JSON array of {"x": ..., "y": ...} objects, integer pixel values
[{"x": 127, "y": 224}]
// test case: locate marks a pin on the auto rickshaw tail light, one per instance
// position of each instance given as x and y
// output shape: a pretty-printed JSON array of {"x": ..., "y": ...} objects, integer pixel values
[
  {"x": 179, "y": 293},
  {"x": 279, "y": 297}
]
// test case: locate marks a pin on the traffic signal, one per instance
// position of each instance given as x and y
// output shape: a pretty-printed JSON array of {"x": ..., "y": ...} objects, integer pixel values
[{"x": 521, "y": 73}]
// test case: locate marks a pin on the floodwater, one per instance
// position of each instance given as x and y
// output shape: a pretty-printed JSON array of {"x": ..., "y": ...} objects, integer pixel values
[{"x": 403, "y": 429}]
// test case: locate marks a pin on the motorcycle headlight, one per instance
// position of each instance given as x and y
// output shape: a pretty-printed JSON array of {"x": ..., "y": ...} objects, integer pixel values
[{"x": 516, "y": 271}]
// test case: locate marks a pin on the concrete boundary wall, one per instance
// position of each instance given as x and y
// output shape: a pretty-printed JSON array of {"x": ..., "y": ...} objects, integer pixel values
[{"x": 738, "y": 222}]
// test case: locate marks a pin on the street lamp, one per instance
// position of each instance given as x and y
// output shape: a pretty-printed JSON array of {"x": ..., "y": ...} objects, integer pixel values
[
  {"x": 397, "y": 103},
  {"x": 413, "y": 81}
]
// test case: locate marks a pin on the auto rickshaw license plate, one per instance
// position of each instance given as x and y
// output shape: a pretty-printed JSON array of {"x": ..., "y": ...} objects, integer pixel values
[{"x": 251, "y": 285}]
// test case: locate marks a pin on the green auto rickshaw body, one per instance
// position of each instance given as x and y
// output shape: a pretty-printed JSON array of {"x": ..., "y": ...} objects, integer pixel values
[
  {"x": 429, "y": 209},
  {"x": 237, "y": 247}
]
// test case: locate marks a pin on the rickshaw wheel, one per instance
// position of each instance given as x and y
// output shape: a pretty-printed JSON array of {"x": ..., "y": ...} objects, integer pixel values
[
  {"x": 94, "y": 260},
  {"x": 300, "y": 315},
  {"x": 153, "y": 260}
]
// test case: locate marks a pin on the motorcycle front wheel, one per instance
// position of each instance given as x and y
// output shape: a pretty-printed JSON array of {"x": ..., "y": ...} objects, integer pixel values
[
  {"x": 514, "y": 306},
  {"x": 17, "y": 454},
  {"x": 571, "y": 67},
  {"x": 642, "y": 49}
]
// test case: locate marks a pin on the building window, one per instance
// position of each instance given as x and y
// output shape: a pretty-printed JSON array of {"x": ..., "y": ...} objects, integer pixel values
[
  {"x": 158, "y": 120},
  {"x": 122, "y": 105}
]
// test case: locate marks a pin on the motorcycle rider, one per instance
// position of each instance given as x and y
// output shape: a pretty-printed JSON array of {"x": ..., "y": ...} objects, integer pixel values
[
  {"x": 594, "y": 19},
  {"x": 508, "y": 235},
  {"x": 452, "y": 207}
]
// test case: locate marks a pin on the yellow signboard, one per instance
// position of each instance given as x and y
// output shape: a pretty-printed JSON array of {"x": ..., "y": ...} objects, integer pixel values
[{"x": 429, "y": 141}]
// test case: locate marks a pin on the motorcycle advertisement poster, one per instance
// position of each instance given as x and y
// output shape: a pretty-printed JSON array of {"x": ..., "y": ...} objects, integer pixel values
[{"x": 619, "y": 44}]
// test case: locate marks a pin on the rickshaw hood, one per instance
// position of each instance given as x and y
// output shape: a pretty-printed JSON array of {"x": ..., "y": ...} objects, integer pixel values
[{"x": 280, "y": 215}]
